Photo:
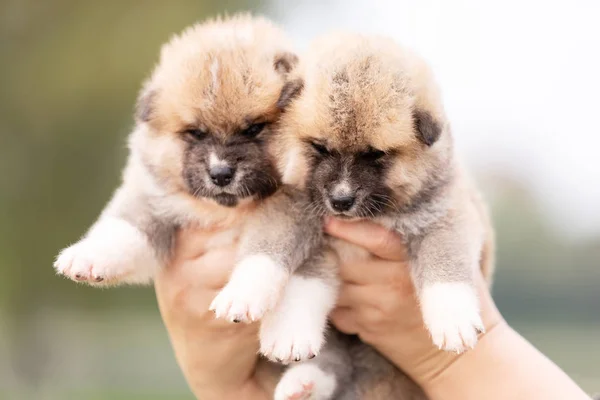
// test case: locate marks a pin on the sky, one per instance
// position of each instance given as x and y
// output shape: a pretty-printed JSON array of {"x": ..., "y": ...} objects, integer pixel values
[{"x": 520, "y": 80}]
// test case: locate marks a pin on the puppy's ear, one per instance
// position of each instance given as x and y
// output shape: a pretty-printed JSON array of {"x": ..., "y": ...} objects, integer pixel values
[
  {"x": 289, "y": 92},
  {"x": 427, "y": 127},
  {"x": 285, "y": 62},
  {"x": 144, "y": 107}
]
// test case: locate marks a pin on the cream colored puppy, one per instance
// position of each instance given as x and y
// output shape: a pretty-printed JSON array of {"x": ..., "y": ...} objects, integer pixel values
[
  {"x": 200, "y": 154},
  {"x": 368, "y": 139}
]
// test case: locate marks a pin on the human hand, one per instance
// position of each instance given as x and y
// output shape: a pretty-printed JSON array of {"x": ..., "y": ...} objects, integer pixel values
[
  {"x": 218, "y": 358},
  {"x": 377, "y": 301}
]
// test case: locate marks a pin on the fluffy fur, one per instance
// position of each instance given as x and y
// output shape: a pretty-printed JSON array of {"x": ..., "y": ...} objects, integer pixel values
[
  {"x": 200, "y": 154},
  {"x": 369, "y": 139}
]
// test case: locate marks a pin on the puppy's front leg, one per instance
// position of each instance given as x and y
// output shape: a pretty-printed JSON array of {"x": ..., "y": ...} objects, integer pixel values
[
  {"x": 277, "y": 239},
  {"x": 444, "y": 262},
  {"x": 254, "y": 288},
  {"x": 295, "y": 329},
  {"x": 126, "y": 245}
]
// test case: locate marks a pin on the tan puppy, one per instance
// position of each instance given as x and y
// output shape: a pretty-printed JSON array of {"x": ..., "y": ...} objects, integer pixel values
[
  {"x": 369, "y": 139},
  {"x": 200, "y": 155}
]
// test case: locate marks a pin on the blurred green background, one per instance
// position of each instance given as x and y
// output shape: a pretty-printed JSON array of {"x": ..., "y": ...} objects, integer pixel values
[{"x": 69, "y": 74}]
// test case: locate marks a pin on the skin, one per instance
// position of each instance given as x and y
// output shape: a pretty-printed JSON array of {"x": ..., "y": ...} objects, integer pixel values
[{"x": 219, "y": 359}]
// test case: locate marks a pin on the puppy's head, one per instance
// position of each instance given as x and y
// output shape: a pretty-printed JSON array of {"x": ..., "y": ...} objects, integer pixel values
[
  {"x": 205, "y": 116},
  {"x": 370, "y": 127}
]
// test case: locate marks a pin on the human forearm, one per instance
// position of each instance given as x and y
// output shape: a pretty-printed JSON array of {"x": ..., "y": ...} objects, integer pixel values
[{"x": 503, "y": 366}]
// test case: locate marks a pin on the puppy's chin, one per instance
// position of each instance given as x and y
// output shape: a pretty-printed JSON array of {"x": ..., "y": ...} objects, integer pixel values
[
  {"x": 226, "y": 199},
  {"x": 345, "y": 216}
]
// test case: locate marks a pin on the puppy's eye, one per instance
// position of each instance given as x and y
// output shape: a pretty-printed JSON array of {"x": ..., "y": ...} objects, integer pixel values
[
  {"x": 320, "y": 148},
  {"x": 253, "y": 130},
  {"x": 197, "y": 134},
  {"x": 373, "y": 154}
]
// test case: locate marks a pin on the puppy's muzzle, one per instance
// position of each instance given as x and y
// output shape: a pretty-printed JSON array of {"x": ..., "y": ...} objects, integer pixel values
[
  {"x": 342, "y": 203},
  {"x": 221, "y": 175}
]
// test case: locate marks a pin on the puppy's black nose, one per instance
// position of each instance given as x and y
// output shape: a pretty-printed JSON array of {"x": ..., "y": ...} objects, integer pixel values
[
  {"x": 221, "y": 175},
  {"x": 342, "y": 203}
]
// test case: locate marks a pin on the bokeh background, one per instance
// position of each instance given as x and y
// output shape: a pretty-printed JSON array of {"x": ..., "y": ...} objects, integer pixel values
[{"x": 521, "y": 83}]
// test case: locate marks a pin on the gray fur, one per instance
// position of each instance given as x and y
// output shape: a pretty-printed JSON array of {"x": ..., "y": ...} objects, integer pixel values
[
  {"x": 362, "y": 373},
  {"x": 282, "y": 230}
]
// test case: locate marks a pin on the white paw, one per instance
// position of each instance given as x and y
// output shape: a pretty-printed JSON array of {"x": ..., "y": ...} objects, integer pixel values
[
  {"x": 108, "y": 255},
  {"x": 295, "y": 330},
  {"x": 285, "y": 338},
  {"x": 254, "y": 288},
  {"x": 451, "y": 313},
  {"x": 305, "y": 381}
]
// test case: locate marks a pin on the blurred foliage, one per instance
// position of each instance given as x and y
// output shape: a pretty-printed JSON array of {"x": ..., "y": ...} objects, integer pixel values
[{"x": 69, "y": 75}]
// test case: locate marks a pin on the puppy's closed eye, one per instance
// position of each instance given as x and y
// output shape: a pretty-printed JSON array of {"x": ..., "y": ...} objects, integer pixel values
[
  {"x": 196, "y": 133},
  {"x": 320, "y": 148},
  {"x": 372, "y": 154},
  {"x": 253, "y": 130}
]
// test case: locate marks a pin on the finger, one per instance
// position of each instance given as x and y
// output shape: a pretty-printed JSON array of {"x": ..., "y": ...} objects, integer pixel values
[
  {"x": 210, "y": 270},
  {"x": 375, "y": 238},
  {"x": 343, "y": 319},
  {"x": 188, "y": 287},
  {"x": 213, "y": 268},
  {"x": 374, "y": 271},
  {"x": 355, "y": 296},
  {"x": 191, "y": 242}
]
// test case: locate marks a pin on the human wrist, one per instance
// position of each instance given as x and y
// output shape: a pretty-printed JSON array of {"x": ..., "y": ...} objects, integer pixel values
[
  {"x": 408, "y": 345},
  {"x": 458, "y": 369},
  {"x": 259, "y": 384}
]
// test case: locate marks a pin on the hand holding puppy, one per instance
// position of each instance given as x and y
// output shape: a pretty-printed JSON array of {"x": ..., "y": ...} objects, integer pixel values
[
  {"x": 219, "y": 359},
  {"x": 377, "y": 302}
]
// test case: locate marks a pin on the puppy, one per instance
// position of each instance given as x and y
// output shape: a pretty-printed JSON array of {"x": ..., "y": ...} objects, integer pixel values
[
  {"x": 370, "y": 140},
  {"x": 200, "y": 155}
]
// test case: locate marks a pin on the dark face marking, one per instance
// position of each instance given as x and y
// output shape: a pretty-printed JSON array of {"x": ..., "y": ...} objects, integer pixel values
[
  {"x": 352, "y": 184},
  {"x": 349, "y": 184},
  {"x": 244, "y": 154}
]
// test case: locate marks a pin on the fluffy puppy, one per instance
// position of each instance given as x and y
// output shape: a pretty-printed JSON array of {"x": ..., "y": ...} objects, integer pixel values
[
  {"x": 370, "y": 140},
  {"x": 200, "y": 155}
]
